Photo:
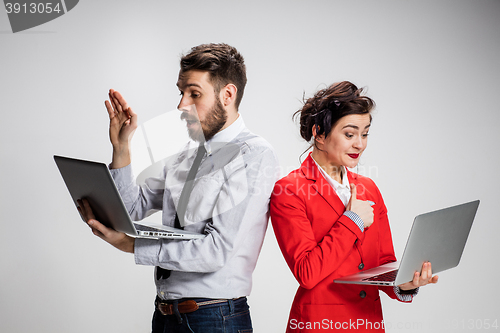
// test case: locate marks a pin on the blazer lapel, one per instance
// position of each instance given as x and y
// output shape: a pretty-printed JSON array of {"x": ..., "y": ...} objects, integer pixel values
[{"x": 321, "y": 186}]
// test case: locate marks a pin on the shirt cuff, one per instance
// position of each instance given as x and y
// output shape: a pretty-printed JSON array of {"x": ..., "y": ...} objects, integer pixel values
[
  {"x": 146, "y": 251},
  {"x": 402, "y": 295},
  {"x": 356, "y": 219},
  {"x": 122, "y": 176}
]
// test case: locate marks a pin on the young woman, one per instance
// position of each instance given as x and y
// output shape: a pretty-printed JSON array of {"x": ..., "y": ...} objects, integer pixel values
[{"x": 330, "y": 222}]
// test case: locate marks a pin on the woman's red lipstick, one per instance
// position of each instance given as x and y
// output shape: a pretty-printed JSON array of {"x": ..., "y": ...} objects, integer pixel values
[{"x": 353, "y": 156}]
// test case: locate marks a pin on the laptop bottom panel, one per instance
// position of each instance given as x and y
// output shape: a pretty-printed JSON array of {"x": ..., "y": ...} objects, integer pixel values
[
  {"x": 363, "y": 276},
  {"x": 162, "y": 234},
  {"x": 151, "y": 230}
]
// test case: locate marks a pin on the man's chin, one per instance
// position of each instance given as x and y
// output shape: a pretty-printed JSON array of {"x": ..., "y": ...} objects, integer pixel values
[{"x": 196, "y": 135}]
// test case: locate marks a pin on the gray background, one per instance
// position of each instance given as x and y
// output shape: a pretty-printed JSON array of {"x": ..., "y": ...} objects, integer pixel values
[{"x": 431, "y": 66}]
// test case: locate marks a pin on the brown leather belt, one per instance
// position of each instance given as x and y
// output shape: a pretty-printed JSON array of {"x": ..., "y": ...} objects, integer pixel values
[{"x": 188, "y": 306}]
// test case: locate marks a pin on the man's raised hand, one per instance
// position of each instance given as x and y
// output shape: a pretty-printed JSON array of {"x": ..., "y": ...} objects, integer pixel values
[{"x": 122, "y": 125}]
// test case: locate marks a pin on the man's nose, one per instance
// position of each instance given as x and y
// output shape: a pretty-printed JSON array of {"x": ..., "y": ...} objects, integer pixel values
[{"x": 184, "y": 105}]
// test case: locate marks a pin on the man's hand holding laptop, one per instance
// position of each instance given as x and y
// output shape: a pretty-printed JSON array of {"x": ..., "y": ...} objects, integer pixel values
[{"x": 119, "y": 240}]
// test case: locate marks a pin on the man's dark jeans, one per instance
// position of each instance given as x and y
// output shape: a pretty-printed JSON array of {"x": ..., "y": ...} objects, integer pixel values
[{"x": 232, "y": 316}]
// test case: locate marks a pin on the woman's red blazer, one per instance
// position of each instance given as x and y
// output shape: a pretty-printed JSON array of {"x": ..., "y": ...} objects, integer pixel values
[{"x": 321, "y": 244}]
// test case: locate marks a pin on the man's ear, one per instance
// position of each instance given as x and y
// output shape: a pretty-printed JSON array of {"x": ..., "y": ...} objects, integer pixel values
[{"x": 228, "y": 94}]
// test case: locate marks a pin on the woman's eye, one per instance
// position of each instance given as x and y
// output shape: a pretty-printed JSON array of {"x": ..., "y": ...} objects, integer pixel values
[
  {"x": 365, "y": 135},
  {"x": 349, "y": 135}
]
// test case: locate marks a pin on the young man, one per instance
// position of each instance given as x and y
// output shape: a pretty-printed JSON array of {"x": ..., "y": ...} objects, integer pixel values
[{"x": 202, "y": 284}]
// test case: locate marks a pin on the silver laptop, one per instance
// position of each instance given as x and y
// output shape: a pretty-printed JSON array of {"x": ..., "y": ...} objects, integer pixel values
[
  {"x": 93, "y": 181},
  {"x": 438, "y": 237}
]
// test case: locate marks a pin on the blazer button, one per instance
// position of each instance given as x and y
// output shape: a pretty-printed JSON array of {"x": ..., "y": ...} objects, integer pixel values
[
  {"x": 362, "y": 294},
  {"x": 361, "y": 266}
]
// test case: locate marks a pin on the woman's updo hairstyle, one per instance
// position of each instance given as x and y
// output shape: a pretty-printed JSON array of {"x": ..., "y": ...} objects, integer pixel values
[{"x": 328, "y": 105}]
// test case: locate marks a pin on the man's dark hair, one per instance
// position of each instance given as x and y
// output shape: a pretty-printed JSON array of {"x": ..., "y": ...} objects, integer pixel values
[{"x": 224, "y": 63}]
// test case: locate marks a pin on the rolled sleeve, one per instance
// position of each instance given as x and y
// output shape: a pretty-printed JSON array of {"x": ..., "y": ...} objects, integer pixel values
[
  {"x": 123, "y": 177},
  {"x": 146, "y": 251},
  {"x": 356, "y": 219},
  {"x": 405, "y": 296},
  {"x": 140, "y": 201}
]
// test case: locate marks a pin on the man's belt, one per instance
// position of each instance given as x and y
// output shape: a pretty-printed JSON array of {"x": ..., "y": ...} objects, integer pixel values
[{"x": 188, "y": 306}]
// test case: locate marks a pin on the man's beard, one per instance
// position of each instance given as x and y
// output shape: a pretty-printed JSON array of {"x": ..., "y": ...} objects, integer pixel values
[{"x": 214, "y": 121}]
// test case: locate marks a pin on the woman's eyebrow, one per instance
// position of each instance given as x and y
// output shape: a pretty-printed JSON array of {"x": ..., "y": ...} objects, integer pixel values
[{"x": 355, "y": 127}]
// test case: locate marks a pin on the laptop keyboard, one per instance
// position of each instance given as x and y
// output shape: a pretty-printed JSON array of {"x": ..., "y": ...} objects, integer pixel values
[
  {"x": 140, "y": 227},
  {"x": 388, "y": 276}
]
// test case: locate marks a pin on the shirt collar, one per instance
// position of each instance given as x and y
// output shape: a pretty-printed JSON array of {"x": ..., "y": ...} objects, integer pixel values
[
  {"x": 225, "y": 136},
  {"x": 336, "y": 185}
]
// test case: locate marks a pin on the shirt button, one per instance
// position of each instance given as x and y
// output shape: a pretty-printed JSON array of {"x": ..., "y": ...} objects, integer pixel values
[
  {"x": 362, "y": 294},
  {"x": 361, "y": 266}
]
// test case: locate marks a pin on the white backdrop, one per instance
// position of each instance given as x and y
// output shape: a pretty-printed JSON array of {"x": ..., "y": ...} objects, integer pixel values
[{"x": 431, "y": 66}]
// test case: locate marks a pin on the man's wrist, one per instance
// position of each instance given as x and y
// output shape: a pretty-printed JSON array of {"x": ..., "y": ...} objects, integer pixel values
[
  {"x": 121, "y": 158},
  {"x": 127, "y": 245},
  {"x": 131, "y": 244}
]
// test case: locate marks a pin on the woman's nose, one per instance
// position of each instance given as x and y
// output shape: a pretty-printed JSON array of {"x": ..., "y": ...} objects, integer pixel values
[{"x": 358, "y": 142}]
